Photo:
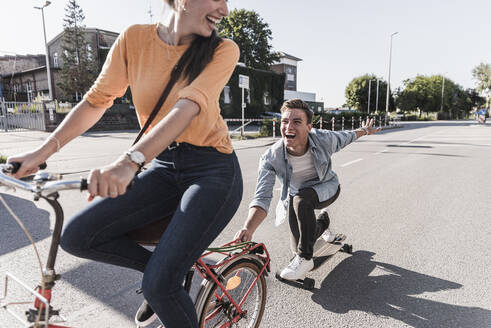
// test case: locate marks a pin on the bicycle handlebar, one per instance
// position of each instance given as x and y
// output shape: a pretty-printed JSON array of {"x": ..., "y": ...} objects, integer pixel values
[
  {"x": 40, "y": 188},
  {"x": 13, "y": 167}
]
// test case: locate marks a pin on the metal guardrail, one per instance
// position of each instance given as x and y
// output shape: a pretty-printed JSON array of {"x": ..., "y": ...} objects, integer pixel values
[
  {"x": 17, "y": 116},
  {"x": 339, "y": 124}
]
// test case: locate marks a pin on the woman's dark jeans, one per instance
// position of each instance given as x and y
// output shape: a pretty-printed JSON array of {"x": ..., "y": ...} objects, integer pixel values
[
  {"x": 304, "y": 227},
  {"x": 201, "y": 186}
]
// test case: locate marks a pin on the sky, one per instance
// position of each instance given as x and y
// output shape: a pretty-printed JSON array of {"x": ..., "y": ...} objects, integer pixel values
[{"x": 337, "y": 40}]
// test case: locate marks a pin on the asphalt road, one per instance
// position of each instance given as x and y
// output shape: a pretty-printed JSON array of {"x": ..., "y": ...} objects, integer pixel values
[{"x": 415, "y": 204}]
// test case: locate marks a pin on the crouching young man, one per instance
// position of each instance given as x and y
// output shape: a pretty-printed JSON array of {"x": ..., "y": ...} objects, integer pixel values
[{"x": 302, "y": 162}]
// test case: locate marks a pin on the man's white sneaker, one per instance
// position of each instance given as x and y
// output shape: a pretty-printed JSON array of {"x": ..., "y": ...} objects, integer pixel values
[
  {"x": 297, "y": 269},
  {"x": 328, "y": 236}
]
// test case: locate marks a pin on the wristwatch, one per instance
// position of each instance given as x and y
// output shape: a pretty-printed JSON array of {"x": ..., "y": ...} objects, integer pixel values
[{"x": 136, "y": 157}]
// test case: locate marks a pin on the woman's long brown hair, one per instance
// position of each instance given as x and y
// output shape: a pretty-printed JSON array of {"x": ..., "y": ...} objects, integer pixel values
[{"x": 199, "y": 54}]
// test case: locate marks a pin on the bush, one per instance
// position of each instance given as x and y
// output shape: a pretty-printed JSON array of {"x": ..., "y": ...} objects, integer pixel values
[
  {"x": 411, "y": 117},
  {"x": 266, "y": 129},
  {"x": 3, "y": 159},
  {"x": 443, "y": 116},
  {"x": 26, "y": 108}
]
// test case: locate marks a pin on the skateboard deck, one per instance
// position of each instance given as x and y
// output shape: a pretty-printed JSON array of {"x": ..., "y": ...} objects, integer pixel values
[{"x": 323, "y": 251}]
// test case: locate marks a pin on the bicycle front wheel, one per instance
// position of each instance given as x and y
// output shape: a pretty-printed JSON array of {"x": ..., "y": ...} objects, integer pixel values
[{"x": 238, "y": 279}]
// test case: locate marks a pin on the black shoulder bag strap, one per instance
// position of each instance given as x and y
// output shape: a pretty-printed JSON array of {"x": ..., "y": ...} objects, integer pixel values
[{"x": 174, "y": 76}]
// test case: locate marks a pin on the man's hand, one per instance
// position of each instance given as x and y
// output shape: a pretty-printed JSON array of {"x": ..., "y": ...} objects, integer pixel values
[
  {"x": 243, "y": 235},
  {"x": 368, "y": 125},
  {"x": 366, "y": 128},
  {"x": 254, "y": 219}
]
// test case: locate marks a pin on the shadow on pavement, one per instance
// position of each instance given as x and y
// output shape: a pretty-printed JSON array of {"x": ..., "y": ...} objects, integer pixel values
[
  {"x": 115, "y": 287},
  {"x": 361, "y": 284},
  {"x": 36, "y": 221}
]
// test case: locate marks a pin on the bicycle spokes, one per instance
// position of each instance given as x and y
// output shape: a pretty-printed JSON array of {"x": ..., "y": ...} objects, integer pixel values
[{"x": 244, "y": 284}]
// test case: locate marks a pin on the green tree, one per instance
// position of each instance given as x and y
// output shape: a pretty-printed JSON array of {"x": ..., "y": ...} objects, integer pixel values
[
  {"x": 421, "y": 93},
  {"x": 424, "y": 94},
  {"x": 357, "y": 94},
  {"x": 476, "y": 99},
  {"x": 252, "y": 35},
  {"x": 79, "y": 68},
  {"x": 482, "y": 74}
]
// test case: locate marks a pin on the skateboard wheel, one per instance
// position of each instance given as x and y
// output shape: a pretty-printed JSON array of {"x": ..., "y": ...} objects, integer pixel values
[
  {"x": 347, "y": 248},
  {"x": 308, "y": 283}
]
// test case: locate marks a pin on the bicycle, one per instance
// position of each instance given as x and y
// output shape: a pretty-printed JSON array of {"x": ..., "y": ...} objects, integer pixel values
[{"x": 231, "y": 294}]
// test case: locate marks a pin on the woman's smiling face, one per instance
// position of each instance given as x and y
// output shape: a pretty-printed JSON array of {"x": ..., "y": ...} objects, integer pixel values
[{"x": 202, "y": 16}]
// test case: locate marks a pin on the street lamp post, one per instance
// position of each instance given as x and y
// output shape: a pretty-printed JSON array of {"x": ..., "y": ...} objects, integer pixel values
[
  {"x": 443, "y": 90},
  {"x": 47, "y": 3},
  {"x": 388, "y": 76},
  {"x": 369, "y": 87},
  {"x": 376, "y": 100}
]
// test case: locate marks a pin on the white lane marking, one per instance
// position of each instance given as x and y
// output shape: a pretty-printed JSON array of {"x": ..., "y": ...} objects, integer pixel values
[
  {"x": 456, "y": 145},
  {"x": 352, "y": 162},
  {"x": 459, "y": 139},
  {"x": 411, "y": 141},
  {"x": 380, "y": 152}
]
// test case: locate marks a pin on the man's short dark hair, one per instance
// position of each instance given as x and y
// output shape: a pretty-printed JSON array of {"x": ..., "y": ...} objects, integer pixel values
[{"x": 298, "y": 104}]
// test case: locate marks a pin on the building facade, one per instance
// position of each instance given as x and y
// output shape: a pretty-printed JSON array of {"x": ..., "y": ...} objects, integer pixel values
[
  {"x": 20, "y": 76},
  {"x": 27, "y": 79},
  {"x": 288, "y": 65}
]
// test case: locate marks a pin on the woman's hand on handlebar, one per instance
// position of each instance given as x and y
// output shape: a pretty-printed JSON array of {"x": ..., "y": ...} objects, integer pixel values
[
  {"x": 111, "y": 180},
  {"x": 29, "y": 161}
]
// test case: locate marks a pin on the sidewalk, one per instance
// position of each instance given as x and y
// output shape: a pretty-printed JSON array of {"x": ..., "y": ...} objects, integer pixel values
[{"x": 93, "y": 149}]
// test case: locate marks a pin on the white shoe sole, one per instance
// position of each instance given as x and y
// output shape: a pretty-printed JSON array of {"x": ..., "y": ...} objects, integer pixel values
[
  {"x": 293, "y": 279},
  {"x": 329, "y": 239},
  {"x": 147, "y": 322}
]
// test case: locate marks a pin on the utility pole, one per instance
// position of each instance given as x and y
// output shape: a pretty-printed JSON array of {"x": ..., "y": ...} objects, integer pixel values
[
  {"x": 369, "y": 89},
  {"x": 50, "y": 88},
  {"x": 443, "y": 90},
  {"x": 376, "y": 101},
  {"x": 388, "y": 77},
  {"x": 150, "y": 13}
]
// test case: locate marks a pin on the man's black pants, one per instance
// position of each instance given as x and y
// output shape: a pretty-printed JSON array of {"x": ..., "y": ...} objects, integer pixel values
[{"x": 305, "y": 229}]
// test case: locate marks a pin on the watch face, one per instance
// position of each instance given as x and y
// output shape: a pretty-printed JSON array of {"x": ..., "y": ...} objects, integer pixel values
[{"x": 137, "y": 157}]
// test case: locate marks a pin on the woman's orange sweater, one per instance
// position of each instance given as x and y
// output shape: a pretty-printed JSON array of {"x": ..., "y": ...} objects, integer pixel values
[{"x": 141, "y": 60}]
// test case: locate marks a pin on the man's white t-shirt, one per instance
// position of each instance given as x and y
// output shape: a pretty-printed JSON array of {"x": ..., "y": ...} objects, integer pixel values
[{"x": 303, "y": 170}]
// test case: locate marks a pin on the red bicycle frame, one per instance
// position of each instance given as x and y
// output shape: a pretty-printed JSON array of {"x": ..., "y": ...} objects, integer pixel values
[{"x": 207, "y": 272}]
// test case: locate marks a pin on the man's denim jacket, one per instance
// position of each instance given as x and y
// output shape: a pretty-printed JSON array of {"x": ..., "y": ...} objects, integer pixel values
[{"x": 274, "y": 163}]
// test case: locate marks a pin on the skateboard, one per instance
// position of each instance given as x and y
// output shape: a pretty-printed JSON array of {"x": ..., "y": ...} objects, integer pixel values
[{"x": 323, "y": 251}]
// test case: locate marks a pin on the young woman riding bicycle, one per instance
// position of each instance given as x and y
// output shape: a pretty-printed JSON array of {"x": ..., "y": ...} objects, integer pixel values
[{"x": 194, "y": 171}]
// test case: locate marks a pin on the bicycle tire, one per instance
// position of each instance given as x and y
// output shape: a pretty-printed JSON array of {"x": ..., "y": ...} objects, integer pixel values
[{"x": 258, "y": 292}]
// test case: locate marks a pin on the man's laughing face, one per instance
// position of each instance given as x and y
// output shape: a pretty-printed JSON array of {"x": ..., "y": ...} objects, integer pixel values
[{"x": 295, "y": 131}]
